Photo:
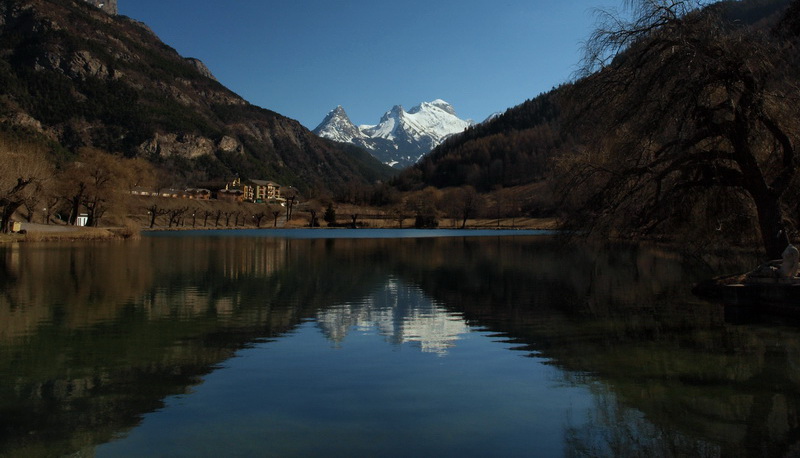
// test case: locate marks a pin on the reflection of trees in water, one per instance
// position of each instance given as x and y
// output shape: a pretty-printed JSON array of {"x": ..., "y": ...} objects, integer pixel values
[
  {"x": 118, "y": 327},
  {"x": 72, "y": 284},
  {"x": 626, "y": 316},
  {"x": 613, "y": 429}
]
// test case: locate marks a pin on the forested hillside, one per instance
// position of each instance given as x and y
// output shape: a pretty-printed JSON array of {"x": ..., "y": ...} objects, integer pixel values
[{"x": 509, "y": 150}]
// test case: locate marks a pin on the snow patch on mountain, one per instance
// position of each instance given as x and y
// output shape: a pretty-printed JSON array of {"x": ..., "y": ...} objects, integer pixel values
[{"x": 401, "y": 137}]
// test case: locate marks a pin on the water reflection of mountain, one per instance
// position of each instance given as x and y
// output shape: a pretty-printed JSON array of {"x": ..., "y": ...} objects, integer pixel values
[
  {"x": 399, "y": 312},
  {"x": 117, "y": 327}
]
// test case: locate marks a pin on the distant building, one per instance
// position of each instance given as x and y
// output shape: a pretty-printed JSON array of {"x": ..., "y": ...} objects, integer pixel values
[
  {"x": 144, "y": 192},
  {"x": 259, "y": 191},
  {"x": 231, "y": 195},
  {"x": 172, "y": 192},
  {"x": 191, "y": 193},
  {"x": 199, "y": 193}
]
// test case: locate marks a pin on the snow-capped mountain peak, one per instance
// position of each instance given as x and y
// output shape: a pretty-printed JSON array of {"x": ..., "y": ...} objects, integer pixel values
[
  {"x": 338, "y": 127},
  {"x": 401, "y": 137},
  {"x": 436, "y": 104}
]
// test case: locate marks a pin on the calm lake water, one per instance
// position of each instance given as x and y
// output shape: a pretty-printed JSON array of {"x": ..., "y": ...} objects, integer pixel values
[{"x": 242, "y": 344}]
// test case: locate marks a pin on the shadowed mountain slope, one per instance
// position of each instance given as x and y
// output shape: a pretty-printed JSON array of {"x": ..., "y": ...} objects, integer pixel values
[{"x": 75, "y": 76}]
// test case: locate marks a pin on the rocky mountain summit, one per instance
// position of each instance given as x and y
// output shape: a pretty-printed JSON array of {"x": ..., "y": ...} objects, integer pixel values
[
  {"x": 338, "y": 127},
  {"x": 401, "y": 137}
]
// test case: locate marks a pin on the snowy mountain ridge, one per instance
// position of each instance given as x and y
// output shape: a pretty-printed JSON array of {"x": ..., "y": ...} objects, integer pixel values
[{"x": 401, "y": 137}]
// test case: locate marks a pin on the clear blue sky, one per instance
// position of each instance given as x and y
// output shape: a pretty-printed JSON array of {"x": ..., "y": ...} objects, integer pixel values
[{"x": 302, "y": 58}]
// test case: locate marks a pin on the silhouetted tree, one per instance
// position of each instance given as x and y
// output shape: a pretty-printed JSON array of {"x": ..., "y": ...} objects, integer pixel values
[
  {"x": 154, "y": 210},
  {"x": 330, "y": 215},
  {"x": 468, "y": 202},
  {"x": 691, "y": 104},
  {"x": 291, "y": 199},
  {"x": 258, "y": 217},
  {"x": 275, "y": 214},
  {"x": 399, "y": 213},
  {"x": 23, "y": 170}
]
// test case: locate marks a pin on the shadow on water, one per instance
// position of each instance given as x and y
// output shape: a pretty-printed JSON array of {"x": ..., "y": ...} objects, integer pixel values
[{"x": 93, "y": 336}]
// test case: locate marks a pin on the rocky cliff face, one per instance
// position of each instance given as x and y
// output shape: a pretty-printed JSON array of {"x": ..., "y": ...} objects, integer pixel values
[
  {"x": 109, "y": 6},
  {"x": 78, "y": 76}
]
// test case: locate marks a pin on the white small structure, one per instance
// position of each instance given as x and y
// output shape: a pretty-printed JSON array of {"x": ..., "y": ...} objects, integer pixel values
[
  {"x": 82, "y": 219},
  {"x": 783, "y": 271},
  {"x": 790, "y": 262}
]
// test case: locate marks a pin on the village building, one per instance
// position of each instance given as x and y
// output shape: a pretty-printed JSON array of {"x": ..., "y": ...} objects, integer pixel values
[
  {"x": 147, "y": 192},
  {"x": 258, "y": 191},
  {"x": 231, "y": 195},
  {"x": 172, "y": 192},
  {"x": 198, "y": 193},
  {"x": 237, "y": 190}
]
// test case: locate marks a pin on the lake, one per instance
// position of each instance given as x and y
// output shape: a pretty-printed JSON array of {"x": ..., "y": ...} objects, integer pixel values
[{"x": 374, "y": 343}]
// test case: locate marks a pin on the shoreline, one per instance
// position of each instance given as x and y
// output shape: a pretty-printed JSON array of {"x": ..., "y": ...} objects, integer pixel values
[
  {"x": 66, "y": 234},
  {"x": 59, "y": 233}
]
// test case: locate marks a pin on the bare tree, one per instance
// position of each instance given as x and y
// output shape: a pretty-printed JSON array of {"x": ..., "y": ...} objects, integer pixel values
[
  {"x": 95, "y": 182},
  {"x": 154, "y": 210},
  {"x": 104, "y": 174},
  {"x": 138, "y": 173},
  {"x": 23, "y": 170},
  {"x": 291, "y": 199},
  {"x": 464, "y": 203},
  {"x": 399, "y": 213},
  {"x": 275, "y": 215},
  {"x": 258, "y": 217},
  {"x": 175, "y": 214},
  {"x": 424, "y": 204},
  {"x": 30, "y": 207},
  {"x": 691, "y": 105},
  {"x": 314, "y": 208},
  {"x": 51, "y": 202}
]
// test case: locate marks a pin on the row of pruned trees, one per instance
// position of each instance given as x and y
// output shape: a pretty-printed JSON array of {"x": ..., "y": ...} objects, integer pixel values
[{"x": 171, "y": 213}]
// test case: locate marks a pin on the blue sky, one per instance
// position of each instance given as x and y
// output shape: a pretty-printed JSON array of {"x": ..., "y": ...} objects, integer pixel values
[{"x": 302, "y": 58}]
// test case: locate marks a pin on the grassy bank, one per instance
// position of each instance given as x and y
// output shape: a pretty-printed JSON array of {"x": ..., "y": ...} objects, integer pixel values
[{"x": 42, "y": 233}]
